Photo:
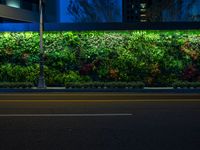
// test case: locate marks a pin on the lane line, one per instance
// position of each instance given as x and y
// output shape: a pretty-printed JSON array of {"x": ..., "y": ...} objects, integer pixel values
[
  {"x": 66, "y": 115},
  {"x": 100, "y": 101},
  {"x": 94, "y": 94}
]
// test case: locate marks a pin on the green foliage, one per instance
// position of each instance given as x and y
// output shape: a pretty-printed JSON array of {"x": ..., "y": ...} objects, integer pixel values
[
  {"x": 72, "y": 77},
  {"x": 153, "y": 57},
  {"x": 16, "y": 73}
]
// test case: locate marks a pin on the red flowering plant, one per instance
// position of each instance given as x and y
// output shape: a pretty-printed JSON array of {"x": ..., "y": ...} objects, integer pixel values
[
  {"x": 86, "y": 69},
  {"x": 114, "y": 74},
  {"x": 191, "y": 73}
]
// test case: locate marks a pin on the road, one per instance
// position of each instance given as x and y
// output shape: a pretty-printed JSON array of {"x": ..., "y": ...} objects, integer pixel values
[{"x": 99, "y": 122}]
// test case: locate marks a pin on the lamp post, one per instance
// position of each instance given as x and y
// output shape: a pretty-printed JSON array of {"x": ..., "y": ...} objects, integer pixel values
[{"x": 41, "y": 83}]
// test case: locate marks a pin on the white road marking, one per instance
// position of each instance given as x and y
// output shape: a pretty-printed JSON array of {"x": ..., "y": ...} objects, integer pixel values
[{"x": 64, "y": 115}]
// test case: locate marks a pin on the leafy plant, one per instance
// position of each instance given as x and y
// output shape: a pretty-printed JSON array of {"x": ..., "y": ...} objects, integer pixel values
[{"x": 157, "y": 58}]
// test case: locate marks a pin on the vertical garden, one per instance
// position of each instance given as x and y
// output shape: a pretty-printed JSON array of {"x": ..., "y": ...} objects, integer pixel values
[{"x": 156, "y": 58}]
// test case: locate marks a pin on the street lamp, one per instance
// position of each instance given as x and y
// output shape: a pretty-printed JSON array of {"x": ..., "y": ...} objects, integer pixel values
[{"x": 41, "y": 83}]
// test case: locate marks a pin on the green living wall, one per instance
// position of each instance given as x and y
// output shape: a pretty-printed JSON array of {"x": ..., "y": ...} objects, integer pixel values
[{"x": 158, "y": 58}]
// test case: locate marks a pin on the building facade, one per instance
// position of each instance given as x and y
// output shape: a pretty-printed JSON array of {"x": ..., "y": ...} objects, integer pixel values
[
  {"x": 27, "y": 11},
  {"x": 31, "y": 5},
  {"x": 18, "y": 11},
  {"x": 161, "y": 11},
  {"x": 135, "y": 10},
  {"x": 101, "y": 11}
]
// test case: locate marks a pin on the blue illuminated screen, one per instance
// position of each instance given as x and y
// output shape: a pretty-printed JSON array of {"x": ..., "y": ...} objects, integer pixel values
[
  {"x": 90, "y": 11},
  {"x": 129, "y": 11}
]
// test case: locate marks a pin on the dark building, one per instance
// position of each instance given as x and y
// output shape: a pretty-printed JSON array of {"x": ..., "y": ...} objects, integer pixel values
[
  {"x": 161, "y": 11},
  {"x": 126, "y": 11},
  {"x": 135, "y": 10}
]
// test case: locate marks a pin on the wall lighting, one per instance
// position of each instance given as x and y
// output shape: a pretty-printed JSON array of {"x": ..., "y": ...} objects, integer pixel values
[{"x": 13, "y": 3}]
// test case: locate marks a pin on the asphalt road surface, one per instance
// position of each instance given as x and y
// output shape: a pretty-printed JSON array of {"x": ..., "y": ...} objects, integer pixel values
[{"x": 107, "y": 122}]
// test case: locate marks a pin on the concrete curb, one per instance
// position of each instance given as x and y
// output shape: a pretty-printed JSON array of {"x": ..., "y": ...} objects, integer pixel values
[
  {"x": 98, "y": 96},
  {"x": 62, "y": 90}
]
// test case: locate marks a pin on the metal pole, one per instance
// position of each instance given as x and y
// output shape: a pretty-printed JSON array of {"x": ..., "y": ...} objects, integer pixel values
[{"x": 41, "y": 83}]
